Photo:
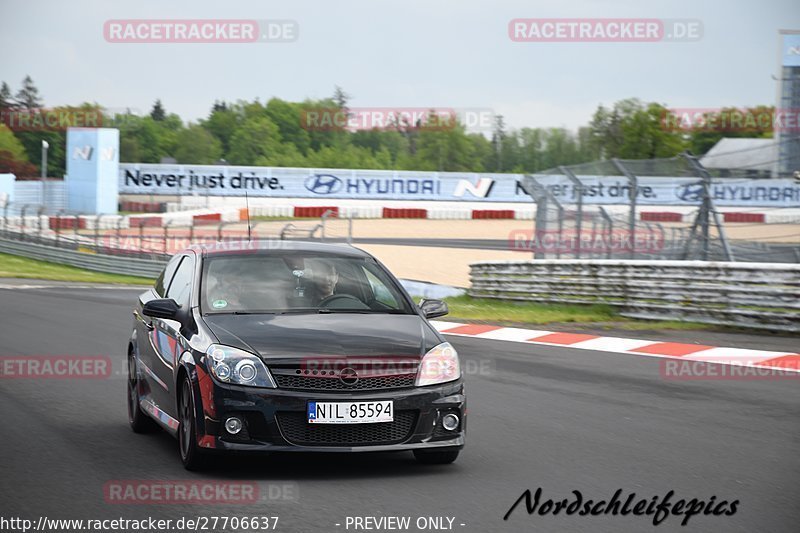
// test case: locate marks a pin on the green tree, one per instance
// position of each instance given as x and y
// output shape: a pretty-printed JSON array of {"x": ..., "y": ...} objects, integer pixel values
[
  {"x": 9, "y": 143},
  {"x": 222, "y": 123},
  {"x": 633, "y": 130},
  {"x": 256, "y": 138},
  {"x": 445, "y": 149},
  {"x": 287, "y": 117},
  {"x": 28, "y": 96},
  {"x": 129, "y": 150},
  {"x": 6, "y": 100},
  {"x": 158, "y": 113},
  {"x": 756, "y": 122},
  {"x": 195, "y": 145}
]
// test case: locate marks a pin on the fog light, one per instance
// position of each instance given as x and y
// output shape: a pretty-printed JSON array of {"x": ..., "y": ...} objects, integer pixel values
[
  {"x": 450, "y": 421},
  {"x": 233, "y": 425}
]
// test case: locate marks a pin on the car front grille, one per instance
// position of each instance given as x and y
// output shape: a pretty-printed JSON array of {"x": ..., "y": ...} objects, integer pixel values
[
  {"x": 296, "y": 429},
  {"x": 335, "y": 384}
]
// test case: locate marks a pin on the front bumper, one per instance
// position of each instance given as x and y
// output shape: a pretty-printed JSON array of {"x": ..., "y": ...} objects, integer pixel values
[{"x": 275, "y": 420}]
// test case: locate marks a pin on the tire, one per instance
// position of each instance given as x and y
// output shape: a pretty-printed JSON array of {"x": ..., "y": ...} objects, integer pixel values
[
  {"x": 191, "y": 455},
  {"x": 435, "y": 457},
  {"x": 139, "y": 420}
]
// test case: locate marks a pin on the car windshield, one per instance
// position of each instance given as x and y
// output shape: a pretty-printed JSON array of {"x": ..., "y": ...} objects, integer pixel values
[{"x": 298, "y": 282}]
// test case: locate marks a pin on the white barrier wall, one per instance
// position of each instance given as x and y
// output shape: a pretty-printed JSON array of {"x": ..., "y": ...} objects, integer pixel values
[{"x": 384, "y": 185}]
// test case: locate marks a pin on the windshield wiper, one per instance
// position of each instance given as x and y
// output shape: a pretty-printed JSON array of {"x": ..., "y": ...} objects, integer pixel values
[{"x": 326, "y": 310}]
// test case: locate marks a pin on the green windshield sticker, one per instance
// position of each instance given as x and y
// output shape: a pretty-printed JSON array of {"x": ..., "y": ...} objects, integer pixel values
[{"x": 219, "y": 304}]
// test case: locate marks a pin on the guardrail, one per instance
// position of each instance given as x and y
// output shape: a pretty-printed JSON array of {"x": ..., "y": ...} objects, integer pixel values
[
  {"x": 753, "y": 295},
  {"x": 115, "y": 264}
]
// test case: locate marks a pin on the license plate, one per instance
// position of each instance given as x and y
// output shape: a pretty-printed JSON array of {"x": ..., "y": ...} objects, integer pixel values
[{"x": 350, "y": 412}]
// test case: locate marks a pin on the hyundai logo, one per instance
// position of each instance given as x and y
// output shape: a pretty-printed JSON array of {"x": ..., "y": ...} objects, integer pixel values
[
  {"x": 348, "y": 376},
  {"x": 323, "y": 184},
  {"x": 691, "y": 192}
]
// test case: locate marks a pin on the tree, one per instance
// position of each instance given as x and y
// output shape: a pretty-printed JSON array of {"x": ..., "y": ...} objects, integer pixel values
[
  {"x": 754, "y": 122},
  {"x": 10, "y": 144},
  {"x": 287, "y": 117},
  {"x": 340, "y": 98},
  {"x": 20, "y": 169},
  {"x": 158, "y": 113},
  {"x": 254, "y": 139},
  {"x": 445, "y": 149},
  {"x": 28, "y": 96},
  {"x": 633, "y": 130},
  {"x": 129, "y": 150},
  {"x": 222, "y": 123},
  {"x": 13, "y": 158},
  {"x": 195, "y": 145},
  {"x": 6, "y": 100},
  {"x": 498, "y": 135}
]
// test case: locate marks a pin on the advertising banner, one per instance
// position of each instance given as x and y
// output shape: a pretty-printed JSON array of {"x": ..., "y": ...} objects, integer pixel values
[{"x": 440, "y": 186}]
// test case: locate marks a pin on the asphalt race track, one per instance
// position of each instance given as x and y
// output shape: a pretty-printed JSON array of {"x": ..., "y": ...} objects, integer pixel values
[{"x": 539, "y": 416}]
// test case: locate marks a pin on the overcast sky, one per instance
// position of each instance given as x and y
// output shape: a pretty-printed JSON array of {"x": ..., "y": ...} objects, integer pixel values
[{"x": 447, "y": 53}]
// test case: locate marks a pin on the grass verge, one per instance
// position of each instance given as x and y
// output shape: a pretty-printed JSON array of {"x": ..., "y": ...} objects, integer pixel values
[
  {"x": 470, "y": 308},
  {"x": 12, "y": 266},
  {"x": 524, "y": 313}
]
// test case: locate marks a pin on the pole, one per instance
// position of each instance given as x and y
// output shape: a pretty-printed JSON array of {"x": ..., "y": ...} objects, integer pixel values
[
  {"x": 633, "y": 183},
  {"x": 707, "y": 210},
  {"x": 578, "y": 184},
  {"x": 539, "y": 195},
  {"x": 45, "y": 146}
]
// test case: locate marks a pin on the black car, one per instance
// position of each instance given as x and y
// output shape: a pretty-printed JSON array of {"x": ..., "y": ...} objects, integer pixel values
[{"x": 292, "y": 347}]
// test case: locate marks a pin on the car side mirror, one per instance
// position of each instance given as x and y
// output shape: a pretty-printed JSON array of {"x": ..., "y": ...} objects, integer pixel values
[
  {"x": 433, "y": 308},
  {"x": 161, "y": 308}
]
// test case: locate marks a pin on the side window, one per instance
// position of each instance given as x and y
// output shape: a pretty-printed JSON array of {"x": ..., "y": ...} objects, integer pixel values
[
  {"x": 180, "y": 289},
  {"x": 166, "y": 275},
  {"x": 382, "y": 294}
]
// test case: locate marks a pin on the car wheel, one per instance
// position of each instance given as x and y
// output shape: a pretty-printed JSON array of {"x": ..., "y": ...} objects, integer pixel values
[
  {"x": 138, "y": 419},
  {"x": 435, "y": 458},
  {"x": 191, "y": 455}
]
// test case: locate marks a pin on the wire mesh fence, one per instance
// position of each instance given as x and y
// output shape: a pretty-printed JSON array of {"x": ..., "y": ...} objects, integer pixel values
[{"x": 569, "y": 225}]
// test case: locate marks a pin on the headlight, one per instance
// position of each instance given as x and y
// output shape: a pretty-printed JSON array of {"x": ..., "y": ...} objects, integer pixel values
[
  {"x": 439, "y": 365},
  {"x": 232, "y": 365}
]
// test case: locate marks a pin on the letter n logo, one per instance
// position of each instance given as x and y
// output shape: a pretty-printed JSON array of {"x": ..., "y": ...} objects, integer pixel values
[
  {"x": 84, "y": 152},
  {"x": 481, "y": 189}
]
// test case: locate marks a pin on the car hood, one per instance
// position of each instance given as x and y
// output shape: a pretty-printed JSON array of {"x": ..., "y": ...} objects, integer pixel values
[{"x": 293, "y": 336}]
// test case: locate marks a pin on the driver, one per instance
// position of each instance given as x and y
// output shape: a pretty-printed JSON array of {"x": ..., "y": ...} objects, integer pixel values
[{"x": 325, "y": 279}]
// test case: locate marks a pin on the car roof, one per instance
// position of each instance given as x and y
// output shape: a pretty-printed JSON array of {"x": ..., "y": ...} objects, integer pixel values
[{"x": 267, "y": 247}]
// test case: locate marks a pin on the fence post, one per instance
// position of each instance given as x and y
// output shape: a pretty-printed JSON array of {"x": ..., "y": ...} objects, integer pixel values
[
  {"x": 39, "y": 217},
  {"x": 539, "y": 195},
  {"x": 350, "y": 229},
  {"x": 578, "y": 185},
  {"x": 5, "y": 219},
  {"x": 97, "y": 231},
  {"x": 58, "y": 225},
  {"x": 633, "y": 183},
  {"x": 610, "y": 222},
  {"x": 707, "y": 208}
]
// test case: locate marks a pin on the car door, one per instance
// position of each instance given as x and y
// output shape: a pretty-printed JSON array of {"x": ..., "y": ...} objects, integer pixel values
[
  {"x": 146, "y": 333},
  {"x": 169, "y": 343}
]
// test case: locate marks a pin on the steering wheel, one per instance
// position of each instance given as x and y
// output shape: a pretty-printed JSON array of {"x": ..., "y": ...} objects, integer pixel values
[{"x": 344, "y": 299}]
